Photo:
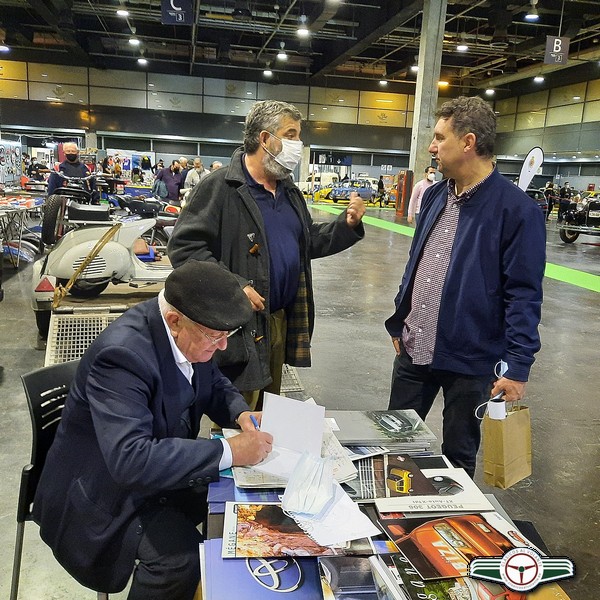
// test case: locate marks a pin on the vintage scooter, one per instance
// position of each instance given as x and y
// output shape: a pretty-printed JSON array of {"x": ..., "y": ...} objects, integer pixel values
[{"x": 87, "y": 259}]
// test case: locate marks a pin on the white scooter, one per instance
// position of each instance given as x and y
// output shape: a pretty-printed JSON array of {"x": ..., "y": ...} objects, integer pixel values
[{"x": 99, "y": 255}]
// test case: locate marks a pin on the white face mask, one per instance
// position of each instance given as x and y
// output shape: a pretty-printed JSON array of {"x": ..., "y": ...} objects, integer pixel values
[
  {"x": 431, "y": 176},
  {"x": 291, "y": 153}
]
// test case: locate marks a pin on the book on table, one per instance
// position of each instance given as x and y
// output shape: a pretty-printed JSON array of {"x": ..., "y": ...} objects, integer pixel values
[{"x": 397, "y": 430}]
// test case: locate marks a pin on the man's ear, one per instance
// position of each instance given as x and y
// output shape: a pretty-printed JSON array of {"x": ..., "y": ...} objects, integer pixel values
[
  {"x": 470, "y": 140},
  {"x": 174, "y": 321}
]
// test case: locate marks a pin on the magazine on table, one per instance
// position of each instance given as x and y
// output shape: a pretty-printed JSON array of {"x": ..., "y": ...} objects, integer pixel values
[
  {"x": 394, "y": 475},
  {"x": 257, "y": 578},
  {"x": 443, "y": 547},
  {"x": 398, "y": 430},
  {"x": 451, "y": 490},
  {"x": 347, "y": 577},
  {"x": 265, "y": 530}
]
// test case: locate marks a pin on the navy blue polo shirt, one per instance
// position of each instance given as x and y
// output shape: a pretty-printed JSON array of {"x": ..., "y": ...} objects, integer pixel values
[{"x": 283, "y": 231}]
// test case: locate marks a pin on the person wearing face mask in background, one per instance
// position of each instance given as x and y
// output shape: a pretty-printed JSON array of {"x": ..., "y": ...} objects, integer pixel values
[
  {"x": 72, "y": 167},
  {"x": 414, "y": 204},
  {"x": 251, "y": 219},
  {"x": 171, "y": 177}
]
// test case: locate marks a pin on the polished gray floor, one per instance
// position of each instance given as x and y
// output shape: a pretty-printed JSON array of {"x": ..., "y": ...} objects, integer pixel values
[{"x": 352, "y": 359}]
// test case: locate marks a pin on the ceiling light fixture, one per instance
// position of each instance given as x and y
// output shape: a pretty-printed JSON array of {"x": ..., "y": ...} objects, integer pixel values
[
  {"x": 122, "y": 12},
  {"x": 443, "y": 83},
  {"x": 539, "y": 79},
  {"x": 142, "y": 61},
  {"x": 532, "y": 15},
  {"x": 281, "y": 55},
  {"x": 490, "y": 92},
  {"x": 134, "y": 41},
  {"x": 4, "y": 47},
  {"x": 462, "y": 45},
  {"x": 267, "y": 72},
  {"x": 414, "y": 68},
  {"x": 383, "y": 82},
  {"x": 302, "y": 30}
]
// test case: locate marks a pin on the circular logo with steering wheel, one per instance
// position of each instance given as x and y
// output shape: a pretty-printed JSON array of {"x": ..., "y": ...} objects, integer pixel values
[{"x": 521, "y": 569}]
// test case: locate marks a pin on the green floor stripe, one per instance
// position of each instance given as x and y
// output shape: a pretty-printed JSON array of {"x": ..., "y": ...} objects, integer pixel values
[{"x": 581, "y": 279}]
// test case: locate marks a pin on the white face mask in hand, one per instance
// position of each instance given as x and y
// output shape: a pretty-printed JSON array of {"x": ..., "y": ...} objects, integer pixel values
[
  {"x": 291, "y": 152},
  {"x": 310, "y": 487}
]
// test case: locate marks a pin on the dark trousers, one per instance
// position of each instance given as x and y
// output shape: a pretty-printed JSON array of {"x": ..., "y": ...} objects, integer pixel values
[
  {"x": 416, "y": 386},
  {"x": 563, "y": 207},
  {"x": 168, "y": 563}
]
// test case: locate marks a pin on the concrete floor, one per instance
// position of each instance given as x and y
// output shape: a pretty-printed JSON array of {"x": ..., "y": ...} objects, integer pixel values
[{"x": 352, "y": 358}]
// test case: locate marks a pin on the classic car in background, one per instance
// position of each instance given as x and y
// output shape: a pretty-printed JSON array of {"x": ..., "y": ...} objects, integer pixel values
[
  {"x": 363, "y": 187},
  {"x": 581, "y": 218}
]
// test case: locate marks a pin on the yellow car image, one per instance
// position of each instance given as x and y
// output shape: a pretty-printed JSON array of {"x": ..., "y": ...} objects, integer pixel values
[{"x": 399, "y": 481}]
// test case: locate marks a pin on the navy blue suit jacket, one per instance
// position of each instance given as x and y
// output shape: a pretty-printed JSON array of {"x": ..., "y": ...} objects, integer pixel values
[{"x": 122, "y": 443}]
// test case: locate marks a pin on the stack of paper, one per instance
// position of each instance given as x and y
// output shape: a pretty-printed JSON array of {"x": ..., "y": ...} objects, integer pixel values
[
  {"x": 296, "y": 427},
  {"x": 397, "y": 430}
]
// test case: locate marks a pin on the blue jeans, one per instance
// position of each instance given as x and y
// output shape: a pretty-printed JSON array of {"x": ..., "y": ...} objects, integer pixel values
[{"x": 416, "y": 386}]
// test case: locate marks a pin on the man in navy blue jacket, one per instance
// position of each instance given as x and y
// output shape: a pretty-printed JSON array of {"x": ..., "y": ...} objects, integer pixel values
[
  {"x": 471, "y": 293},
  {"x": 124, "y": 484}
]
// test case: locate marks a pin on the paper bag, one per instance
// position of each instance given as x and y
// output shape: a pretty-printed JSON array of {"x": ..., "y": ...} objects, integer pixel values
[{"x": 507, "y": 448}]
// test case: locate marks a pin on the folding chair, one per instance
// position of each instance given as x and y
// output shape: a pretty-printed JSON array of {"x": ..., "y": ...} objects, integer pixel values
[{"x": 46, "y": 390}]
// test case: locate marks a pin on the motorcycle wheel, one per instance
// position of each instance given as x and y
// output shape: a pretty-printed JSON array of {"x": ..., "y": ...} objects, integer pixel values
[
  {"x": 52, "y": 226},
  {"x": 568, "y": 236},
  {"x": 86, "y": 288}
]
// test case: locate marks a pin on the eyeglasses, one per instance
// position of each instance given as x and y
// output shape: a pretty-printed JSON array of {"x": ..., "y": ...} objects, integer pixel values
[{"x": 214, "y": 340}]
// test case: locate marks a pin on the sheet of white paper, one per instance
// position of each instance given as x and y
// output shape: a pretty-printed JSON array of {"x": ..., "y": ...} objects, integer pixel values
[
  {"x": 281, "y": 462},
  {"x": 340, "y": 521},
  {"x": 294, "y": 425}
]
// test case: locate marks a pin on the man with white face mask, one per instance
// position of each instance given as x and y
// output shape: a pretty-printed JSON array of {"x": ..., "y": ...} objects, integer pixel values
[
  {"x": 253, "y": 220},
  {"x": 417, "y": 194}
]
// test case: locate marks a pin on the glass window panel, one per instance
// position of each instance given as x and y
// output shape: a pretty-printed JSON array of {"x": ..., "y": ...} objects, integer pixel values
[
  {"x": 57, "y": 74},
  {"x": 230, "y": 89},
  {"x": 593, "y": 90},
  {"x": 170, "y": 101},
  {"x": 334, "y": 114},
  {"x": 505, "y": 123},
  {"x": 10, "y": 69},
  {"x": 131, "y": 80},
  {"x": 62, "y": 93},
  {"x": 506, "y": 106},
  {"x": 591, "y": 111},
  {"x": 285, "y": 93},
  {"x": 227, "y": 106},
  {"x": 175, "y": 83},
  {"x": 385, "y": 118},
  {"x": 566, "y": 94},
  {"x": 332, "y": 96},
  {"x": 109, "y": 96},
  {"x": 530, "y": 120},
  {"x": 531, "y": 102},
  {"x": 386, "y": 101},
  {"x": 14, "y": 89},
  {"x": 563, "y": 115}
]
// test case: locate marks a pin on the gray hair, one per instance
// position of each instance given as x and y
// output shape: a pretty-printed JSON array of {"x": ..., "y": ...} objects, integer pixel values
[
  {"x": 165, "y": 306},
  {"x": 472, "y": 115},
  {"x": 266, "y": 116}
]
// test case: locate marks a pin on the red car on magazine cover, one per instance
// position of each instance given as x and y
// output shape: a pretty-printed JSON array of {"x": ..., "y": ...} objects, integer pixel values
[{"x": 450, "y": 543}]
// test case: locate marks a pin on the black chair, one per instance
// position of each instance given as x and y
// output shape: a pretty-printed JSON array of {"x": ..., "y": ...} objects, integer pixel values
[{"x": 46, "y": 390}]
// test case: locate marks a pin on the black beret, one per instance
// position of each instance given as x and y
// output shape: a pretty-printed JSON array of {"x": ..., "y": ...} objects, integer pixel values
[{"x": 208, "y": 294}]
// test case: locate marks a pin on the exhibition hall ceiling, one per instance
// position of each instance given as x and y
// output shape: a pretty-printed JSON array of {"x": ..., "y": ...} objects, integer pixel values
[{"x": 350, "y": 44}]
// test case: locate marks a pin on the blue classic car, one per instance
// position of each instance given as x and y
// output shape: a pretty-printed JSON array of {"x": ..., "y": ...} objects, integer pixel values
[{"x": 341, "y": 192}]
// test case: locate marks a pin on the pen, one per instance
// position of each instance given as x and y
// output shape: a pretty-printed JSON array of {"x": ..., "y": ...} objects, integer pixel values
[{"x": 254, "y": 422}]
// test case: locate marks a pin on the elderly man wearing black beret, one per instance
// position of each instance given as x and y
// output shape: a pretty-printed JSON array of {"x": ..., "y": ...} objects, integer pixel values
[{"x": 124, "y": 485}]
